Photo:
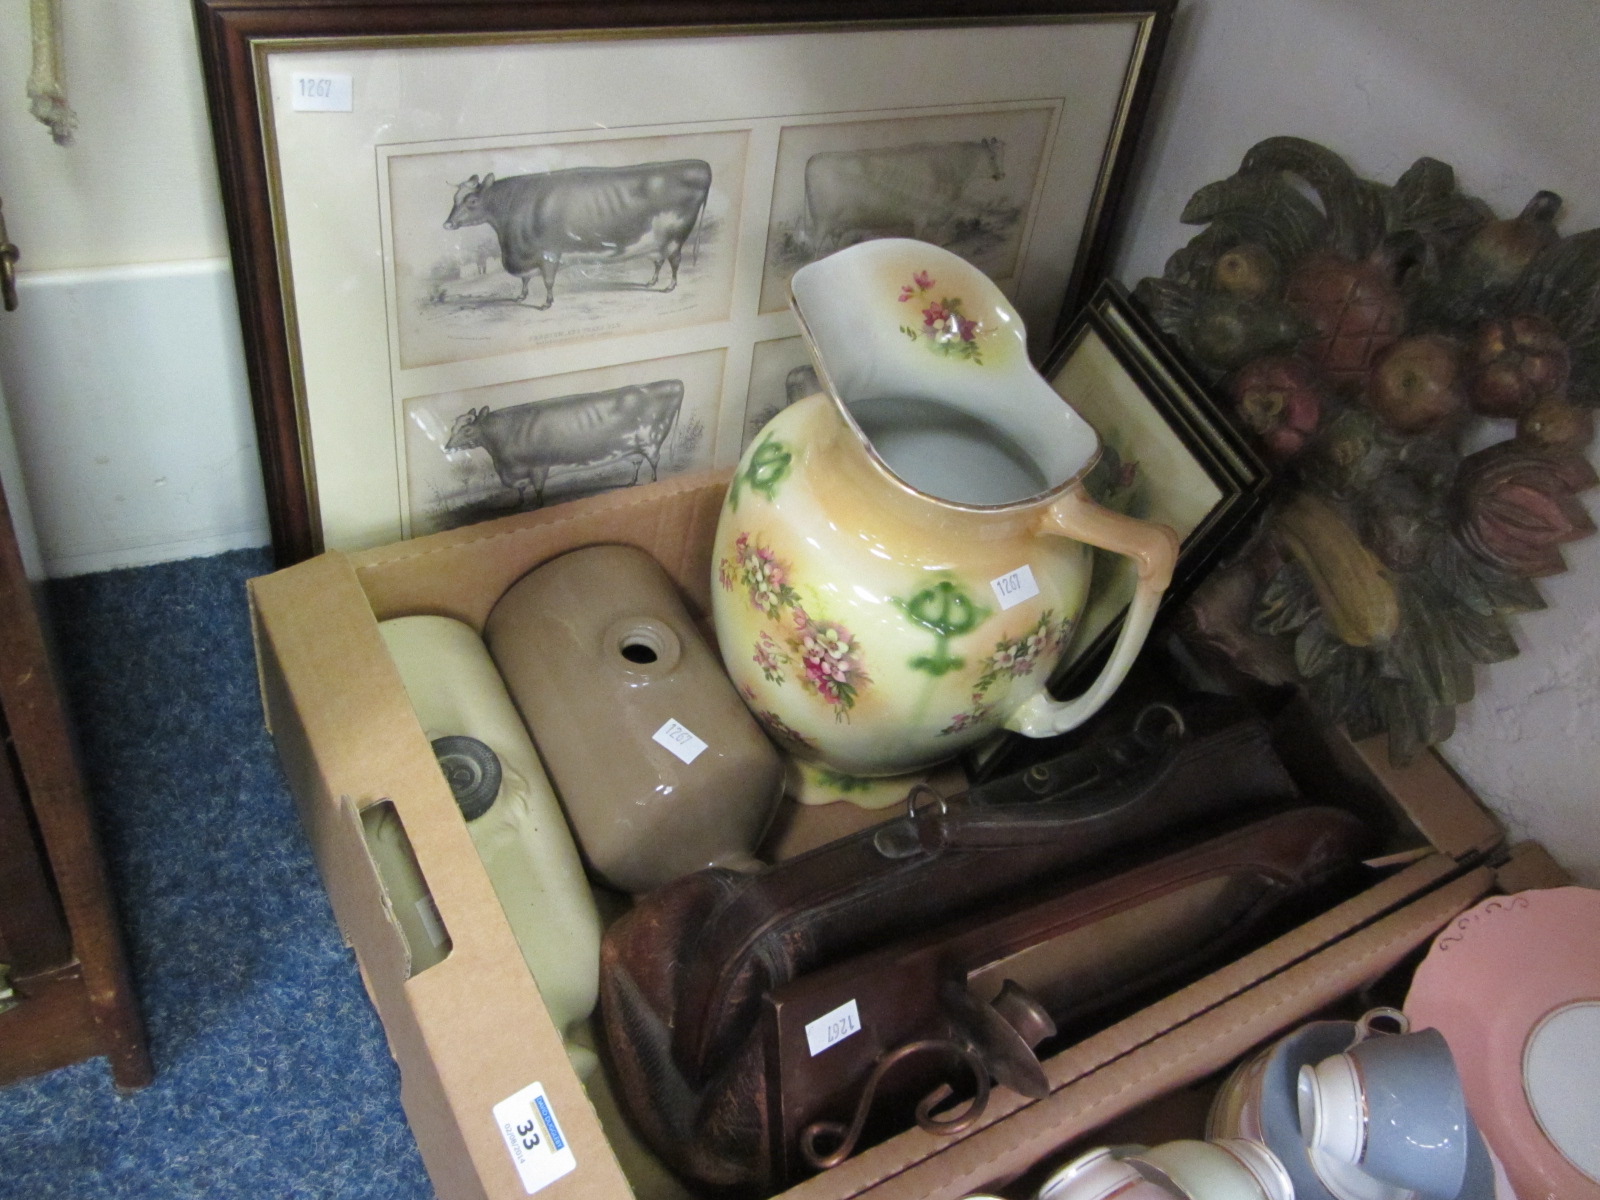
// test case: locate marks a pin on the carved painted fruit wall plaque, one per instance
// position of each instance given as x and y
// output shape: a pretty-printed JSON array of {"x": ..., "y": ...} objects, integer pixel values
[{"x": 1424, "y": 375}]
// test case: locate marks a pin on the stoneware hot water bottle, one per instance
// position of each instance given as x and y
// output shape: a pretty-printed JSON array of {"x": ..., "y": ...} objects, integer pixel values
[
  {"x": 660, "y": 768},
  {"x": 510, "y": 809}
]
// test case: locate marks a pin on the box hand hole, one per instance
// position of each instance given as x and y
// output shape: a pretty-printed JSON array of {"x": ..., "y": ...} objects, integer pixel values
[{"x": 406, "y": 891}]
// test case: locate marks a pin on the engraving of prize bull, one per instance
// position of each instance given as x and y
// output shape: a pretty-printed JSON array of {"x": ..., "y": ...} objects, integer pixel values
[
  {"x": 917, "y": 190},
  {"x": 589, "y": 429},
  {"x": 606, "y": 213}
]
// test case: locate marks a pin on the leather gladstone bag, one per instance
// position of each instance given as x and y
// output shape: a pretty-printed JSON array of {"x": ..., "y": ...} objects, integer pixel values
[{"x": 709, "y": 984}]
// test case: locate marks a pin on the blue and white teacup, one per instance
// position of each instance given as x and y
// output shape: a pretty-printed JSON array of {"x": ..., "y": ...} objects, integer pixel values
[{"x": 1391, "y": 1105}]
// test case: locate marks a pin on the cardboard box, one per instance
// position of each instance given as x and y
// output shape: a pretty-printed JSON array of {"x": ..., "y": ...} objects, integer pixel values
[{"x": 471, "y": 1032}]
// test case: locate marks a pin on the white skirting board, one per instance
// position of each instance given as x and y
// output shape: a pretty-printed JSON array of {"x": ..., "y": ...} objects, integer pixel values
[{"x": 131, "y": 414}]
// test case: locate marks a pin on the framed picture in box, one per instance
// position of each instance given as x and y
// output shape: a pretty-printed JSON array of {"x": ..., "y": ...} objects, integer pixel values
[
  {"x": 495, "y": 255},
  {"x": 1168, "y": 454}
]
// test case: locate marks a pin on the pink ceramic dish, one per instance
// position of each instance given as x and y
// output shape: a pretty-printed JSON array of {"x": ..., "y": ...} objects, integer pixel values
[{"x": 1514, "y": 986}]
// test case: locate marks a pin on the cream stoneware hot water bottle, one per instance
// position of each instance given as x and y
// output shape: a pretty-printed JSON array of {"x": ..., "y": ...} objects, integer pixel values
[
  {"x": 902, "y": 558},
  {"x": 511, "y": 811}
]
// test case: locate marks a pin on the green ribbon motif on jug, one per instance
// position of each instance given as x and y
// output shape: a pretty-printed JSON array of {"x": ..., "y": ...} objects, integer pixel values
[
  {"x": 948, "y": 612},
  {"x": 767, "y": 467},
  {"x": 845, "y": 784}
]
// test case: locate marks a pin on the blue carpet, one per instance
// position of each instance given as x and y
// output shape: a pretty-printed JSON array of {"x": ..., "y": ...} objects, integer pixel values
[{"x": 272, "y": 1075}]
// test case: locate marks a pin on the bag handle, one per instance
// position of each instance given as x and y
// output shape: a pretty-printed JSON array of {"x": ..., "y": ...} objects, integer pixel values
[
  {"x": 1154, "y": 550},
  {"x": 942, "y": 856}
]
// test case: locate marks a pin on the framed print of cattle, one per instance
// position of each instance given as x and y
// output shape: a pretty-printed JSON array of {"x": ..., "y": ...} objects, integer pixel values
[
  {"x": 522, "y": 253},
  {"x": 507, "y": 447},
  {"x": 496, "y": 254},
  {"x": 968, "y": 181},
  {"x": 781, "y": 372}
]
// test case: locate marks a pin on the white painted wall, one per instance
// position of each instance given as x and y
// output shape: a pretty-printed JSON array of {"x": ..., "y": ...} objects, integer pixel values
[
  {"x": 122, "y": 367},
  {"x": 1504, "y": 91},
  {"x": 132, "y": 414},
  {"x": 139, "y": 183}
]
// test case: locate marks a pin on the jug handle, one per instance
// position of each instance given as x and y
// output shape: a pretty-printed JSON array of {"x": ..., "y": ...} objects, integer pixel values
[{"x": 1154, "y": 550}]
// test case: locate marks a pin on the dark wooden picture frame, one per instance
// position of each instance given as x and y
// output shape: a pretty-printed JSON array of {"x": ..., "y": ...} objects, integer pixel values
[
  {"x": 233, "y": 35},
  {"x": 1160, "y": 413},
  {"x": 1154, "y": 398}
]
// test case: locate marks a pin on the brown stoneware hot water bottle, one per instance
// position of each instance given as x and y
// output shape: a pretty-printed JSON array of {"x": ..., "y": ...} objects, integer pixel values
[{"x": 660, "y": 766}]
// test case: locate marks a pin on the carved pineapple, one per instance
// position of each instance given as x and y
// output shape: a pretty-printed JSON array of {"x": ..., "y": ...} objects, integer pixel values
[{"x": 1355, "y": 310}]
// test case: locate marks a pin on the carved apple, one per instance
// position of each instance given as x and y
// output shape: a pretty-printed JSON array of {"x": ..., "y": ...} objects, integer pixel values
[
  {"x": 1555, "y": 423},
  {"x": 1415, "y": 386},
  {"x": 1228, "y": 330},
  {"x": 1280, "y": 400},
  {"x": 1247, "y": 270}
]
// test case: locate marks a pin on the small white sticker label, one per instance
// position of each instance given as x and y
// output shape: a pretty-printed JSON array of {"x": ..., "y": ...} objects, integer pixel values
[
  {"x": 680, "y": 740},
  {"x": 325, "y": 92},
  {"x": 1013, "y": 588},
  {"x": 535, "y": 1140},
  {"x": 832, "y": 1028},
  {"x": 428, "y": 911}
]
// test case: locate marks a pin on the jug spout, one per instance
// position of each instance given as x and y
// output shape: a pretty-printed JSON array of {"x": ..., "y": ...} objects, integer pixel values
[{"x": 927, "y": 361}]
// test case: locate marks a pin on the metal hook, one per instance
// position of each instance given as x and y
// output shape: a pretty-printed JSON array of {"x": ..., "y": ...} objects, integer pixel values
[
  {"x": 848, "y": 1135},
  {"x": 902, "y": 839}
]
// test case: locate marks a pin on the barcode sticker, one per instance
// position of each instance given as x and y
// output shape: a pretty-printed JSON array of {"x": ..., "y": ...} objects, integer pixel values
[
  {"x": 534, "y": 1138},
  {"x": 324, "y": 92},
  {"x": 678, "y": 739},
  {"x": 832, "y": 1028},
  {"x": 1012, "y": 588}
]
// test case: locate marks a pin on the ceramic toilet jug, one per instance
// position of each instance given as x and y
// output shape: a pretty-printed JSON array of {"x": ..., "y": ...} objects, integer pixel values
[{"x": 902, "y": 559}]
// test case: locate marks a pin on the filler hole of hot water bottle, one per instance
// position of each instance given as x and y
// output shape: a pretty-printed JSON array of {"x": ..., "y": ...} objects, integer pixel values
[
  {"x": 645, "y": 645},
  {"x": 472, "y": 770},
  {"x": 639, "y": 651}
]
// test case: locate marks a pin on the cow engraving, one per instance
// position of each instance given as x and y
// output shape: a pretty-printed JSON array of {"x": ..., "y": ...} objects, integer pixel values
[
  {"x": 917, "y": 190},
  {"x": 593, "y": 213},
  {"x": 799, "y": 383},
  {"x": 525, "y": 442}
]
